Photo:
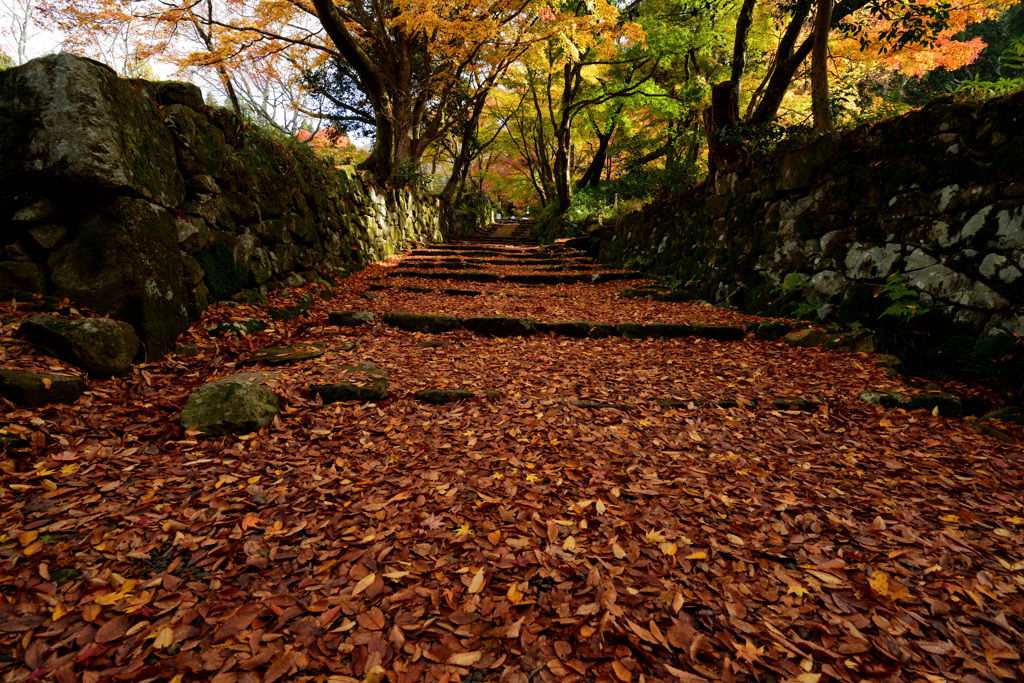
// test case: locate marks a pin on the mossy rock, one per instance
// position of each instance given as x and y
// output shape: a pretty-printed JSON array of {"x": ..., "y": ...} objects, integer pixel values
[
  {"x": 282, "y": 355},
  {"x": 39, "y": 389},
  {"x": 947, "y": 404},
  {"x": 221, "y": 273},
  {"x": 301, "y": 307},
  {"x": 421, "y": 322},
  {"x": 234, "y": 405},
  {"x": 500, "y": 326}
]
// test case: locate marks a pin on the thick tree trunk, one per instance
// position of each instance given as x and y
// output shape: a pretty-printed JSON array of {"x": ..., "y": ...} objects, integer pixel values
[
  {"x": 819, "y": 67},
  {"x": 723, "y": 113}
]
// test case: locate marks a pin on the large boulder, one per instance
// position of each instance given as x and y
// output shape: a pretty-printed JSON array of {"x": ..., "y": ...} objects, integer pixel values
[
  {"x": 100, "y": 346},
  {"x": 38, "y": 389},
  {"x": 74, "y": 125},
  {"x": 124, "y": 261},
  {"x": 232, "y": 405}
]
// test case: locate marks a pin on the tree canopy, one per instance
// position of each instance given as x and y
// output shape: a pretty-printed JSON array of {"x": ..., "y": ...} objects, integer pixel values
[{"x": 542, "y": 100}]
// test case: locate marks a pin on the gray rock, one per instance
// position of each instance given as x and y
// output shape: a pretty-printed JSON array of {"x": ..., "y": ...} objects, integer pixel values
[
  {"x": 350, "y": 318},
  {"x": 233, "y": 405},
  {"x": 100, "y": 346},
  {"x": 18, "y": 278},
  {"x": 991, "y": 264},
  {"x": 442, "y": 396},
  {"x": 48, "y": 236},
  {"x": 39, "y": 389},
  {"x": 1010, "y": 229},
  {"x": 806, "y": 338},
  {"x": 829, "y": 283},
  {"x": 125, "y": 261},
  {"x": 945, "y": 283},
  {"x": 74, "y": 123},
  {"x": 863, "y": 261},
  {"x": 421, "y": 322},
  {"x": 919, "y": 259}
]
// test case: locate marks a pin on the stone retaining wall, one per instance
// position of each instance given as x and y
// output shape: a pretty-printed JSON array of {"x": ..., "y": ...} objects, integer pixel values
[
  {"x": 138, "y": 200},
  {"x": 936, "y": 196}
]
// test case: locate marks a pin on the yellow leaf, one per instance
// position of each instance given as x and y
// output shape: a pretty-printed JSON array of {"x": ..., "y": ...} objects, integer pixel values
[
  {"x": 618, "y": 551},
  {"x": 463, "y": 530},
  {"x": 669, "y": 548},
  {"x": 600, "y": 507},
  {"x": 514, "y": 595},
  {"x": 364, "y": 583},
  {"x": 47, "y": 382},
  {"x": 395, "y": 576},
  {"x": 569, "y": 545},
  {"x": 699, "y": 555},
  {"x": 532, "y": 478},
  {"x": 804, "y": 678},
  {"x": 59, "y": 611},
  {"x": 249, "y": 522},
  {"x": 797, "y": 590},
  {"x": 27, "y": 537},
  {"x": 477, "y": 584},
  {"x": 165, "y": 638},
  {"x": 465, "y": 658},
  {"x": 950, "y": 518},
  {"x": 253, "y": 480},
  {"x": 879, "y": 582},
  {"x": 68, "y": 469},
  {"x": 494, "y": 536},
  {"x": 33, "y": 548},
  {"x": 654, "y": 538},
  {"x": 1015, "y": 520},
  {"x": 49, "y": 485}
]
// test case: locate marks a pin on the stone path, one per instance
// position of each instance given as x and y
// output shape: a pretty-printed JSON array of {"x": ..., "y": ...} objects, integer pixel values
[{"x": 433, "y": 478}]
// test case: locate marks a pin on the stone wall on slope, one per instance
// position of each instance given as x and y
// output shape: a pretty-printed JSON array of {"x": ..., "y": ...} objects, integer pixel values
[
  {"x": 138, "y": 200},
  {"x": 936, "y": 196}
]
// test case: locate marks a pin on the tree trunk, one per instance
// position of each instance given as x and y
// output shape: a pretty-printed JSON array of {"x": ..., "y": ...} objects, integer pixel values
[
  {"x": 739, "y": 49},
  {"x": 592, "y": 177},
  {"x": 723, "y": 113},
  {"x": 819, "y": 67}
]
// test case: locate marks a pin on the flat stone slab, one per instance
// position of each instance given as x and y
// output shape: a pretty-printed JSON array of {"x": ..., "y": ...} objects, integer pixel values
[
  {"x": 460, "y": 275},
  {"x": 770, "y": 330},
  {"x": 282, "y": 355},
  {"x": 350, "y": 318},
  {"x": 451, "y": 291},
  {"x": 500, "y": 326},
  {"x": 679, "y": 330},
  {"x": 421, "y": 322},
  {"x": 506, "y": 326},
  {"x": 580, "y": 329},
  {"x": 371, "y": 391},
  {"x": 33, "y": 389},
  {"x": 442, "y": 396},
  {"x": 947, "y": 404}
]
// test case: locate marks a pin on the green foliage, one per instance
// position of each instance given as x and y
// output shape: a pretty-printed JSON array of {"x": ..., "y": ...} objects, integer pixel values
[
  {"x": 758, "y": 141},
  {"x": 5, "y": 61},
  {"x": 902, "y": 299},
  {"x": 406, "y": 174},
  {"x": 1012, "y": 62}
]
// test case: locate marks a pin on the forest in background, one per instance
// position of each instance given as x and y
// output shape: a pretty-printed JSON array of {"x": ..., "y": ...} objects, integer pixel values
[{"x": 582, "y": 108}]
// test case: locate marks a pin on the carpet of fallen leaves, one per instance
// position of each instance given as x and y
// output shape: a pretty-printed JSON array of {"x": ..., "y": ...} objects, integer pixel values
[{"x": 521, "y": 539}]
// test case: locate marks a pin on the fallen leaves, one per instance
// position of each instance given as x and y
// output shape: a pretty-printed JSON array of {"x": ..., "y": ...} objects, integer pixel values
[{"x": 504, "y": 539}]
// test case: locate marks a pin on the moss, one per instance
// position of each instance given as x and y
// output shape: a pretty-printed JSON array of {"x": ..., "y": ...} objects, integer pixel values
[{"x": 221, "y": 273}]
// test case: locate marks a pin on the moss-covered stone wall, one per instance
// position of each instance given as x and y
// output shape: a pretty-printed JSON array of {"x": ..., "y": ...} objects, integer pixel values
[
  {"x": 137, "y": 199},
  {"x": 935, "y": 198}
]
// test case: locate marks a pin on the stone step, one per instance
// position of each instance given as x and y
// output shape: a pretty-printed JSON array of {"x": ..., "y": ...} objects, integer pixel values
[
  {"x": 520, "y": 279},
  {"x": 506, "y": 326}
]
